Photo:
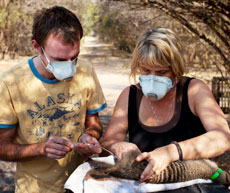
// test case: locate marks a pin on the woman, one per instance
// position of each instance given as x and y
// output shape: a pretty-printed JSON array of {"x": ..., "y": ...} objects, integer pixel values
[{"x": 168, "y": 116}]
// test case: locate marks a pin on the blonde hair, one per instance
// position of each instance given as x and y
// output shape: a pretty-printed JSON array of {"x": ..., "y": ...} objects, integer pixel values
[{"x": 158, "y": 47}]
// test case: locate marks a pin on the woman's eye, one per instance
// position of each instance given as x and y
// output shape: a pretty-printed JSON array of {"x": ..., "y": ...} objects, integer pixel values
[
  {"x": 161, "y": 72},
  {"x": 145, "y": 70}
]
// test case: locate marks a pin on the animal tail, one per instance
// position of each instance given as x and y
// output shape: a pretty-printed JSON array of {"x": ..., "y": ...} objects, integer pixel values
[
  {"x": 186, "y": 170},
  {"x": 221, "y": 176}
]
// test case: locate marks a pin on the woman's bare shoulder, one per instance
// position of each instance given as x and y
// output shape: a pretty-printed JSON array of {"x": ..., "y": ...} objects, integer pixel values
[
  {"x": 124, "y": 94},
  {"x": 198, "y": 86}
]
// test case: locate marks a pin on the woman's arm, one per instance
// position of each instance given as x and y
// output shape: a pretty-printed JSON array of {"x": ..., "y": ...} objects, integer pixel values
[
  {"x": 210, "y": 144},
  {"x": 118, "y": 124},
  {"x": 118, "y": 127},
  {"x": 217, "y": 139}
]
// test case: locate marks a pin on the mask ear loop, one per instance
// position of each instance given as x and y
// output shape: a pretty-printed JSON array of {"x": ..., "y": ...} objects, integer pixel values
[
  {"x": 45, "y": 55},
  {"x": 76, "y": 60},
  {"x": 174, "y": 83},
  {"x": 49, "y": 68},
  {"x": 42, "y": 62}
]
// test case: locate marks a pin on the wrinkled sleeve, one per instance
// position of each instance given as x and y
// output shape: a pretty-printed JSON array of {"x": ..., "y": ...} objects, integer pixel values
[
  {"x": 8, "y": 117},
  {"x": 96, "y": 100}
]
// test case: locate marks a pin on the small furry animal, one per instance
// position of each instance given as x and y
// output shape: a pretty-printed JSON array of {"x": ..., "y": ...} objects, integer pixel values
[{"x": 178, "y": 171}]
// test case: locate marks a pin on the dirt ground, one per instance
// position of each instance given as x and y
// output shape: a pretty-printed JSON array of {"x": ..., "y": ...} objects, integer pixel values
[{"x": 113, "y": 76}]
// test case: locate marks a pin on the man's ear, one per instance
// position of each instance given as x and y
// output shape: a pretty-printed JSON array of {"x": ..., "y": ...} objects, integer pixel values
[{"x": 36, "y": 46}]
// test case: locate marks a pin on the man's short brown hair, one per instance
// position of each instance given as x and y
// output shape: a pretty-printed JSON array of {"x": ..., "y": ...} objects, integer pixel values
[{"x": 58, "y": 21}]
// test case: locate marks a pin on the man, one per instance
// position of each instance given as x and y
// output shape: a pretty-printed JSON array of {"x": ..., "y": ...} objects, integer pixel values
[{"x": 47, "y": 103}]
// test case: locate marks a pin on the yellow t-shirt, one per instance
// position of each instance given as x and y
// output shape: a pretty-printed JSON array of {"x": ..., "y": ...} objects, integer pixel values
[{"x": 40, "y": 108}]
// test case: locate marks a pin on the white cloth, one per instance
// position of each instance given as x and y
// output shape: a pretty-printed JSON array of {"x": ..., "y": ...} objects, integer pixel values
[{"x": 77, "y": 184}]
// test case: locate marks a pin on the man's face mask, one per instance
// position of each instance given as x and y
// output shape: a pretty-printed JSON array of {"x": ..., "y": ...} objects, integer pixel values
[
  {"x": 61, "y": 69},
  {"x": 155, "y": 87}
]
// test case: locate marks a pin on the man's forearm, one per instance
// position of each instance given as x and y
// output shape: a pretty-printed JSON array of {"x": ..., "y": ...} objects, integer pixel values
[
  {"x": 94, "y": 132},
  {"x": 16, "y": 152},
  {"x": 93, "y": 125}
]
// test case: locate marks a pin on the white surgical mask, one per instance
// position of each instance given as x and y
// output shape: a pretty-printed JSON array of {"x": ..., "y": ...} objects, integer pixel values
[
  {"x": 61, "y": 69},
  {"x": 155, "y": 87}
]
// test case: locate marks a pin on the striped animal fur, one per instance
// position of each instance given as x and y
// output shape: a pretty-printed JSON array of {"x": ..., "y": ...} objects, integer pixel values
[{"x": 178, "y": 171}]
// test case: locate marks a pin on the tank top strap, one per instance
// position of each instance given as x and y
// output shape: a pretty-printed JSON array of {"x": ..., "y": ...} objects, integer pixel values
[
  {"x": 132, "y": 108},
  {"x": 185, "y": 83}
]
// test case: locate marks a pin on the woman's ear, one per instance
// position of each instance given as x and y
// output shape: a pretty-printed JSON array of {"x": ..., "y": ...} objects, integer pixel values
[{"x": 36, "y": 46}]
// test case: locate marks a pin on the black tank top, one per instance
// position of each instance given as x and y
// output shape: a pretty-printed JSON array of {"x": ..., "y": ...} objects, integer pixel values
[{"x": 183, "y": 125}]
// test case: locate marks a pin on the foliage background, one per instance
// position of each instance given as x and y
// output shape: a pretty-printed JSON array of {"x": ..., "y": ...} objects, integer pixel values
[
  {"x": 16, "y": 18},
  {"x": 203, "y": 26}
]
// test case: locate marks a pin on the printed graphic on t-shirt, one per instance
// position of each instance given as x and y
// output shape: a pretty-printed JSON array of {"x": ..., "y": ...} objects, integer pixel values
[{"x": 59, "y": 117}]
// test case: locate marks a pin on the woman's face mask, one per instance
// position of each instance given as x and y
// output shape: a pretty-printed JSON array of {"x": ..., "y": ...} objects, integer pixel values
[
  {"x": 155, "y": 87},
  {"x": 61, "y": 69}
]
